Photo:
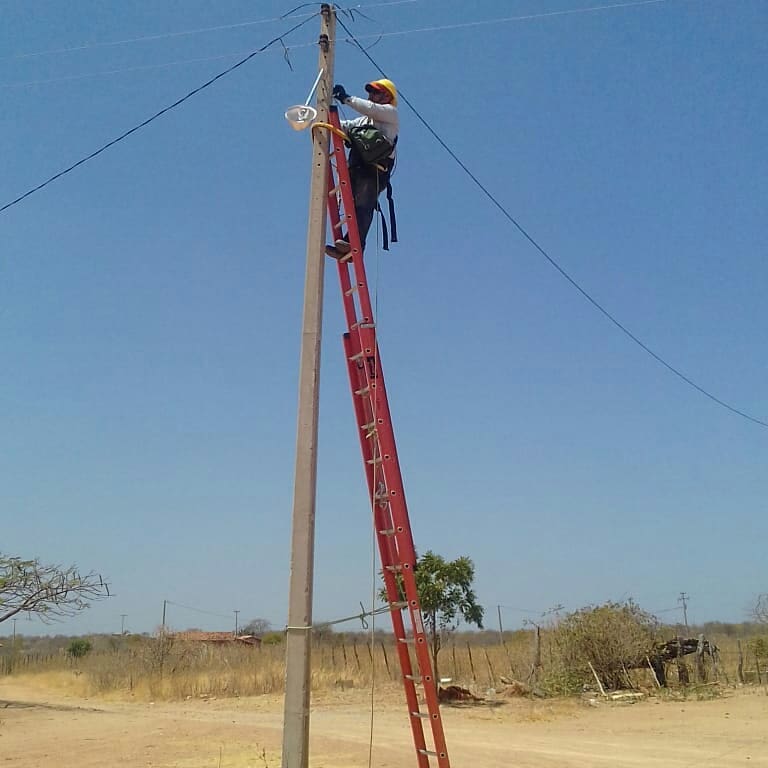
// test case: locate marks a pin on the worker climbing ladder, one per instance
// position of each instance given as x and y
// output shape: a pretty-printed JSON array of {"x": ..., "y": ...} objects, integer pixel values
[{"x": 382, "y": 470}]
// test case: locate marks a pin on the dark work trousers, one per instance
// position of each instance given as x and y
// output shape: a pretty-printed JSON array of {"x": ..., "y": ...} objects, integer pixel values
[{"x": 368, "y": 182}]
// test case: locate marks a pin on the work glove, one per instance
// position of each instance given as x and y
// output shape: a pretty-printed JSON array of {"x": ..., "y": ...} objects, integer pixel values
[{"x": 340, "y": 93}]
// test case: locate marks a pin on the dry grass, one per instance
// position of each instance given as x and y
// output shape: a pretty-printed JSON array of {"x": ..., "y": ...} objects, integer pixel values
[{"x": 149, "y": 669}]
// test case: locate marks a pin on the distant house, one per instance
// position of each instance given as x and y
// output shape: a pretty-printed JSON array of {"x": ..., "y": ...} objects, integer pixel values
[{"x": 218, "y": 638}]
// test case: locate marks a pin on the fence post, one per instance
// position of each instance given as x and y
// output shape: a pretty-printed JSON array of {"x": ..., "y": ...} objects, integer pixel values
[
  {"x": 471, "y": 664},
  {"x": 740, "y": 667},
  {"x": 386, "y": 660}
]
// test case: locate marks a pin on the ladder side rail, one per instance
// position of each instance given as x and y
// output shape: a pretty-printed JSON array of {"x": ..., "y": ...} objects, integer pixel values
[
  {"x": 344, "y": 185},
  {"x": 382, "y": 522},
  {"x": 390, "y": 466},
  {"x": 334, "y": 212},
  {"x": 401, "y": 545}
]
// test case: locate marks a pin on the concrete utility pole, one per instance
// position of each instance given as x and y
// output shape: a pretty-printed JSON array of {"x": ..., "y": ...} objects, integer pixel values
[
  {"x": 236, "y": 612},
  {"x": 684, "y": 600},
  {"x": 299, "y": 629}
]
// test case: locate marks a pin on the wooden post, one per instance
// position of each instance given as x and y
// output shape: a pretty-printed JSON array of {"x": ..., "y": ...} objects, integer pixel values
[
  {"x": 740, "y": 668},
  {"x": 536, "y": 653},
  {"x": 653, "y": 672},
  {"x": 471, "y": 664},
  {"x": 599, "y": 684},
  {"x": 299, "y": 630},
  {"x": 701, "y": 670},
  {"x": 490, "y": 667},
  {"x": 386, "y": 660}
]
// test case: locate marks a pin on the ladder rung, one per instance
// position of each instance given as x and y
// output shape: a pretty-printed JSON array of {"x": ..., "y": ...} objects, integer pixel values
[
  {"x": 351, "y": 290},
  {"x": 377, "y": 460},
  {"x": 366, "y": 325},
  {"x": 406, "y": 639},
  {"x": 398, "y": 606},
  {"x": 394, "y": 568},
  {"x": 342, "y": 219},
  {"x": 367, "y": 427},
  {"x": 427, "y": 752},
  {"x": 424, "y": 715},
  {"x": 358, "y": 356},
  {"x": 363, "y": 391},
  {"x": 414, "y": 679},
  {"x": 388, "y": 532}
]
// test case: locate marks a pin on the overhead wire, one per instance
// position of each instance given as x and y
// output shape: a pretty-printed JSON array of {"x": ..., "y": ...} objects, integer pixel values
[
  {"x": 197, "y": 610},
  {"x": 154, "y": 117},
  {"x": 505, "y": 20},
  {"x": 146, "y": 38},
  {"x": 188, "y": 32},
  {"x": 374, "y": 35},
  {"x": 584, "y": 293}
]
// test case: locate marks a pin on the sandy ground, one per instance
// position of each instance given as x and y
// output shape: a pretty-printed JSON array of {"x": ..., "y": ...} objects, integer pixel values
[{"x": 40, "y": 727}]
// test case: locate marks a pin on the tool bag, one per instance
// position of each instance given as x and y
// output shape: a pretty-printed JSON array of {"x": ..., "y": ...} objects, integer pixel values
[{"x": 369, "y": 144}]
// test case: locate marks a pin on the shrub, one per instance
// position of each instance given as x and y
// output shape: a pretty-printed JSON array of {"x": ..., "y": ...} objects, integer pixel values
[
  {"x": 79, "y": 648},
  {"x": 613, "y": 638}
]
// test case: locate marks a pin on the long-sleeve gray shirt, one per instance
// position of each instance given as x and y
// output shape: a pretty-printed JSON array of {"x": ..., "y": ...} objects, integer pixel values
[{"x": 382, "y": 116}]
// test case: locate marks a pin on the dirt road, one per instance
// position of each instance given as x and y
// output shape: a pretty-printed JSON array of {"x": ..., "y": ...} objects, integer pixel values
[{"x": 41, "y": 727}]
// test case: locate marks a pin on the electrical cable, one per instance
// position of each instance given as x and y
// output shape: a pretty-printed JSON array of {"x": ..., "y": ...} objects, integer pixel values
[
  {"x": 145, "y": 38},
  {"x": 375, "y": 35},
  {"x": 505, "y": 20},
  {"x": 188, "y": 32},
  {"x": 677, "y": 372},
  {"x": 154, "y": 117},
  {"x": 197, "y": 610},
  {"x": 122, "y": 70}
]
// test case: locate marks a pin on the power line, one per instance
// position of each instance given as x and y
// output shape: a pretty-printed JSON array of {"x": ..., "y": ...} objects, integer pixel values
[
  {"x": 505, "y": 20},
  {"x": 552, "y": 261},
  {"x": 188, "y": 32},
  {"x": 137, "y": 68},
  {"x": 374, "y": 35},
  {"x": 154, "y": 117},
  {"x": 198, "y": 610},
  {"x": 145, "y": 38}
]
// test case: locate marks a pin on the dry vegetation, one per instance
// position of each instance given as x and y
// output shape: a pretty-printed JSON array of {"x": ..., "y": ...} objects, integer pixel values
[{"x": 150, "y": 668}]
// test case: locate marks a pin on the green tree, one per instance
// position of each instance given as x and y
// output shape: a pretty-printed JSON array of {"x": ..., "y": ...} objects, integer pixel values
[
  {"x": 79, "y": 647},
  {"x": 446, "y": 596},
  {"x": 49, "y": 591}
]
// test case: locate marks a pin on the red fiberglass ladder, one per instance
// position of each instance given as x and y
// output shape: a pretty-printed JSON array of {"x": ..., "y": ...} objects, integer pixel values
[{"x": 382, "y": 470}]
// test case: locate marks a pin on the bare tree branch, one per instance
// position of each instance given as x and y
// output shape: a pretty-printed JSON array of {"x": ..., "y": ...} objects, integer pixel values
[
  {"x": 760, "y": 611},
  {"x": 51, "y": 592}
]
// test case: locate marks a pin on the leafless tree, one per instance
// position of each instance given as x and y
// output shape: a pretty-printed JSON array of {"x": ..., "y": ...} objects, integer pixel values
[
  {"x": 49, "y": 591},
  {"x": 760, "y": 611}
]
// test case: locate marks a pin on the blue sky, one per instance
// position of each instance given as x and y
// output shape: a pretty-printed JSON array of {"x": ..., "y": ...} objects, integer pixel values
[{"x": 150, "y": 305}]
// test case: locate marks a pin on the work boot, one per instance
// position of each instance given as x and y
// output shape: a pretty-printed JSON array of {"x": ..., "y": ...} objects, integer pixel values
[
  {"x": 339, "y": 249},
  {"x": 342, "y": 247}
]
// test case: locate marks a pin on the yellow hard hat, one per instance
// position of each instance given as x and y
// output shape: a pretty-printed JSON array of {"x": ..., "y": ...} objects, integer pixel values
[{"x": 383, "y": 85}]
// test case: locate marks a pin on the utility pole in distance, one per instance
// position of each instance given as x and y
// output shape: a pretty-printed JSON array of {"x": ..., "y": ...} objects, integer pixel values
[
  {"x": 298, "y": 631},
  {"x": 122, "y": 623},
  {"x": 684, "y": 600},
  {"x": 236, "y": 612}
]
